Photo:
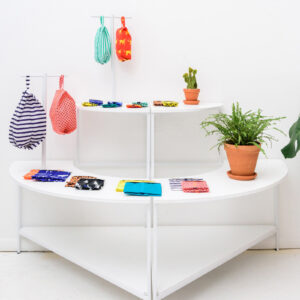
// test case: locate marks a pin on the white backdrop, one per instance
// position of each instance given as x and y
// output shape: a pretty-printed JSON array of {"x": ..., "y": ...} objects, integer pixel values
[{"x": 245, "y": 51}]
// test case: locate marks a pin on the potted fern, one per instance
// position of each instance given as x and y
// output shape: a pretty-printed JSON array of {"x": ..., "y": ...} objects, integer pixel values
[
  {"x": 243, "y": 135},
  {"x": 191, "y": 92}
]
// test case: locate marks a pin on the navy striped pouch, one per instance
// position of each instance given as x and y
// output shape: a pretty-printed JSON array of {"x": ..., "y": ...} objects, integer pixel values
[{"x": 27, "y": 127}]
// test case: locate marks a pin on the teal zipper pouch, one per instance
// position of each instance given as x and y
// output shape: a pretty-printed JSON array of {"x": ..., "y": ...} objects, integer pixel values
[{"x": 142, "y": 189}]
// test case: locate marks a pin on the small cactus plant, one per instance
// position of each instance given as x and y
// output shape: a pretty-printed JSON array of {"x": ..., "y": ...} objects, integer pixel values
[{"x": 190, "y": 79}]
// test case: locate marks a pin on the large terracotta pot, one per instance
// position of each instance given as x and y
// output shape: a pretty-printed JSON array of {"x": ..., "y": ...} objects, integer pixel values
[
  {"x": 242, "y": 161},
  {"x": 191, "y": 96}
]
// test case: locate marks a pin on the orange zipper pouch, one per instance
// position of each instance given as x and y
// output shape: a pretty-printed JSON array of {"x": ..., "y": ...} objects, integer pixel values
[{"x": 123, "y": 42}]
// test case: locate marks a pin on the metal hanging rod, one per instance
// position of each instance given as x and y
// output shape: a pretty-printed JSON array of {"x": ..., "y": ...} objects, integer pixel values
[
  {"x": 42, "y": 76},
  {"x": 111, "y": 17}
]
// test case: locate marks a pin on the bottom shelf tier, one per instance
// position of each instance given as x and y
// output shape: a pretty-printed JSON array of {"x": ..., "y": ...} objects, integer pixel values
[{"x": 119, "y": 254}]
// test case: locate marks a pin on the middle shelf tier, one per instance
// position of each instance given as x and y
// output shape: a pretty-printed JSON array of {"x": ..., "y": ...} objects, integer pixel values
[{"x": 270, "y": 173}]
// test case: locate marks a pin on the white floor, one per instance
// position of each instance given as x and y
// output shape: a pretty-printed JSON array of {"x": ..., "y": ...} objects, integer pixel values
[{"x": 254, "y": 275}]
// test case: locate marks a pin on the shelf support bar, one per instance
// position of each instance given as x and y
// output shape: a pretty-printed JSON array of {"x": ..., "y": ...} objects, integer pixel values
[
  {"x": 44, "y": 143},
  {"x": 154, "y": 250},
  {"x": 148, "y": 146},
  {"x": 19, "y": 218},
  {"x": 152, "y": 145},
  {"x": 77, "y": 151},
  {"x": 112, "y": 59},
  {"x": 149, "y": 252},
  {"x": 276, "y": 191}
]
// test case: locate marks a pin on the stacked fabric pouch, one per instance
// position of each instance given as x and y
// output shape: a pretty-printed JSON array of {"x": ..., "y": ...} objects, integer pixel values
[
  {"x": 51, "y": 175},
  {"x": 63, "y": 111},
  {"x": 102, "y": 44},
  {"x": 194, "y": 187},
  {"x": 27, "y": 127},
  {"x": 89, "y": 184},
  {"x": 142, "y": 189}
]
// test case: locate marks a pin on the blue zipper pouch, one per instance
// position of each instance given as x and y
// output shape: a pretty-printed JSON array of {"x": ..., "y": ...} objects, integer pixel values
[
  {"x": 142, "y": 189},
  {"x": 51, "y": 175},
  {"x": 94, "y": 101}
]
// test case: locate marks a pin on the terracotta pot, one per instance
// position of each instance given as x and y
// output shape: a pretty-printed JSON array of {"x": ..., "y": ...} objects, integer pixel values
[
  {"x": 191, "y": 96},
  {"x": 242, "y": 161}
]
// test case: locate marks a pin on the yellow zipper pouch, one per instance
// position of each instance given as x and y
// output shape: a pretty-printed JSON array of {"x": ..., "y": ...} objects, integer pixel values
[{"x": 121, "y": 184}]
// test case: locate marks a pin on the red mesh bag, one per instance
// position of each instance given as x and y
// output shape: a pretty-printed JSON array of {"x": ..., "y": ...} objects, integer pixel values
[{"x": 63, "y": 111}]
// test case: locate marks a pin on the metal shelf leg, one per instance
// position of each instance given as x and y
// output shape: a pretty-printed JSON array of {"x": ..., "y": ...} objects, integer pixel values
[
  {"x": 276, "y": 215},
  {"x": 154, "y": 252},
  {"x": 19, "y": 219}
]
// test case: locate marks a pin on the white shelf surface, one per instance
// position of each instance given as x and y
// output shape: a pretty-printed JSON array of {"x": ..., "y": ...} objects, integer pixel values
[
  {"x": 107, "y": 194},
  {"x": 118, "y": 254},
  {"x": 122, "y": 109},
  {"x": 204, "y": 105},
  {"x": 187, "y": 253},
  {"x": 270, "y": 173}
]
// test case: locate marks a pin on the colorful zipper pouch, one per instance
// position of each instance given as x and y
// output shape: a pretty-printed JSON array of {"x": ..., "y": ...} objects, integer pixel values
[
  {"x": 175, "y": 183},
  {"x": 158, "y": 103},
  {"x": 29, "y": 175},
  {"x": 27, "y": 127},
  {"x": 75, "y": 179},
  {"x": 142, "y": 104},
  {"x": 51, "y": 176},
  {"x": 97, "y": 102},
  {"x": 112, "y": 104},
  {"x": 121, "y": 184},
  {"x": 89, "y": 184},
  {"x": 170, "y": 103},
  {"x": 133, "y": 106},
  {"x": 88, "y": 104},
  {"x": 63, "y": 111},
  {"x": 194, "y": 187},
  {"x": 123, "y": 42},
  {"x": 142, "y": 189}
]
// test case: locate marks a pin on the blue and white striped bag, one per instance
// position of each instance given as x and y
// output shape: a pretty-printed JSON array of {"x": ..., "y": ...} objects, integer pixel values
[{"x": 27, "y": 127}]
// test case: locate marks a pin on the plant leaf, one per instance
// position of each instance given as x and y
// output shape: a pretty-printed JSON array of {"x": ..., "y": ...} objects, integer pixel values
[{"x": 292, "y": 148}]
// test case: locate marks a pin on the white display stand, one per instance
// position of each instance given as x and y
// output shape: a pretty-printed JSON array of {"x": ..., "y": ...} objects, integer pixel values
[{"x": 151, "y": 261}]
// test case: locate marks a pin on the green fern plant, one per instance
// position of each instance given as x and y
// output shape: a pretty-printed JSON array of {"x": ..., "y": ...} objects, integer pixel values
[
  {"x": 240, "y": 129},
  {"x": 190, "y": 79}
]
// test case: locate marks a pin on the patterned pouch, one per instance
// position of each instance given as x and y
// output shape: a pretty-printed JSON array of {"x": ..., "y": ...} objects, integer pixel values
[
  {"x": 89, "y": 184},
  {"x": 75, "y": 179}
]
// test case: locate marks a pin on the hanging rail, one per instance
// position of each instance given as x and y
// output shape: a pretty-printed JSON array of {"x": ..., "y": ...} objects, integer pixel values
[{"x": 111, "y": 17}]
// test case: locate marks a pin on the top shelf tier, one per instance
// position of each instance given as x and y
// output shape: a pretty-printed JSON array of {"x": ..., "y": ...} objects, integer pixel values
[{"x": 204, "y": 105}]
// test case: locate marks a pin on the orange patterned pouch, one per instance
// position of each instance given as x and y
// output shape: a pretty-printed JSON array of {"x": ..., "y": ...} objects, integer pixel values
[
  {"x": 28, "y": 175},
  {"x": 123, "y": 42}
]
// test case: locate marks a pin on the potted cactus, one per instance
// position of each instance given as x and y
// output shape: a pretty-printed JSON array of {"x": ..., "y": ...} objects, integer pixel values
[{"x": 191, "y": 92}]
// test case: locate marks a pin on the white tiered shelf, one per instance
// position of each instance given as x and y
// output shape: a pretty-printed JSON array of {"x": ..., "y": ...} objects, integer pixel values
[{"x": 150, "y": 262}]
